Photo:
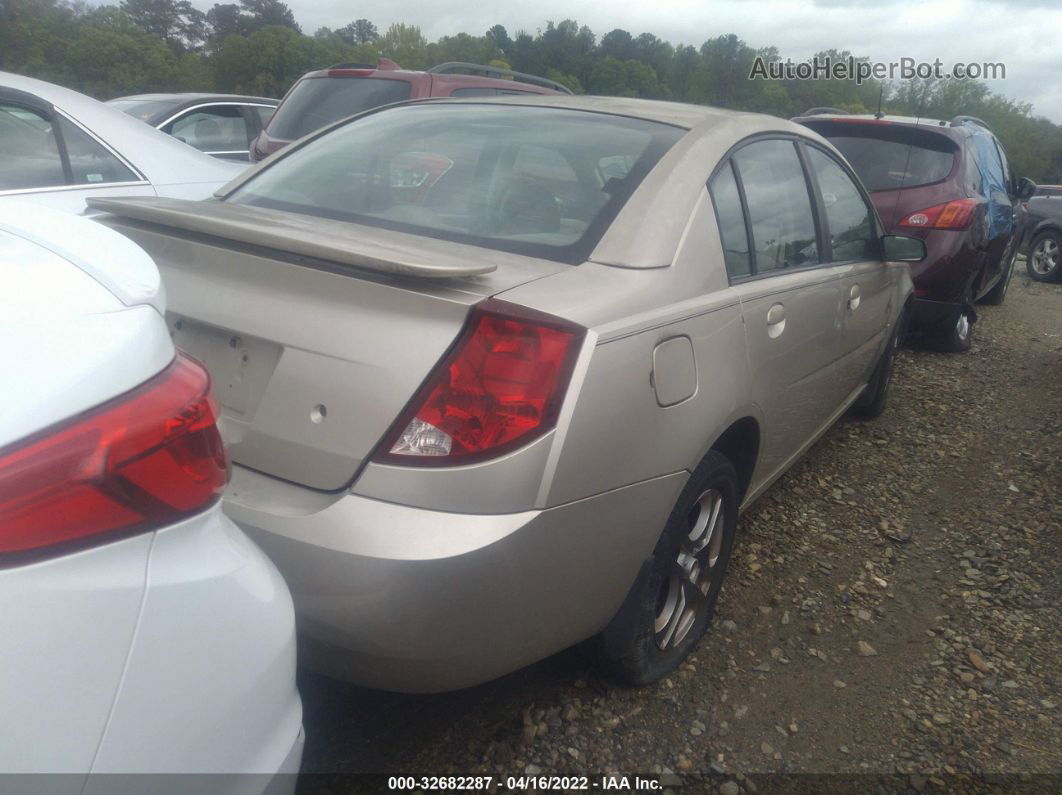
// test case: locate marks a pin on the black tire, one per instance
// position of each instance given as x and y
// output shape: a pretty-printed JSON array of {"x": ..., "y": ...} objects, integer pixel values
[
  {"x": 955, "y": 337},
  {"x": 998, "y": 294},
  {"x": 661, "y": 619},
  {"x": 875, "y": 397},
  {"x": 1044, "y": 260}
]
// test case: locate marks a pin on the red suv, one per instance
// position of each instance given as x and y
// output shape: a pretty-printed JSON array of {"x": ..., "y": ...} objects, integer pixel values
[
  {"x": 328, "y": 95},
  {"x": 949, "y": 184}
]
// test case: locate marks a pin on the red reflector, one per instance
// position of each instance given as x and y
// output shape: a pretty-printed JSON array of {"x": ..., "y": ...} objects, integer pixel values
[
  {"x": 951, "y": 215},
  {"x": 499, "y": 387},
  {"x": 141, "y": 461}
]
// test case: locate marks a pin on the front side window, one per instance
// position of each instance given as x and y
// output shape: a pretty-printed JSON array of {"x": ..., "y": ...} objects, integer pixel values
[
  {"x": 779, "y": 206},
  {"x": 851, "y": 223},
  {"x": 90, "y": 162},
  {"x": 214, "y": 129},
  {"x": 29, "y": 153},
  {"x": 521, "y": 179},
  {"x": 731, "y": 220}
]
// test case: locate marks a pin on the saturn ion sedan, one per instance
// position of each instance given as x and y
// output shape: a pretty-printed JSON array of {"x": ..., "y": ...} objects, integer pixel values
[
  {"x": 498, "y": 375},
  {"x": 141, "y": 632}
]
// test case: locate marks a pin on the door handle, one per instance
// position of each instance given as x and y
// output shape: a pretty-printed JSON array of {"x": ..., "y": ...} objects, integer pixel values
[
  {"x": 775, "y": 321},
  {"x": 854, "y": 297}
]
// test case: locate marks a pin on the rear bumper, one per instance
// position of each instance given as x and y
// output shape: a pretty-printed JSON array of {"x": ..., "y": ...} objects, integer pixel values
[
  {"x": 404, "y": 598},
  {"x": 167, "y": 652},
  {"x": 209, "y": 686},
  {"x": 929, "y": 316}
]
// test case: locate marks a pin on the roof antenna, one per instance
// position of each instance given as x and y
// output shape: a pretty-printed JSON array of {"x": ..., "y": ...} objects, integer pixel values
[{"x": 881, "y": 92}]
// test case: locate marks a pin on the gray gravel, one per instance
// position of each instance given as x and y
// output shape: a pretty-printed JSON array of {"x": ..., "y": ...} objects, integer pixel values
[{"x": 892, "y": 608}]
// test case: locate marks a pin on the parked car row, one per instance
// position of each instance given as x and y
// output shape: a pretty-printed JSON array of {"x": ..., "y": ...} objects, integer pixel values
[
  {"x": 949, "y": 184},
  {"x": 483, "y": 377}
]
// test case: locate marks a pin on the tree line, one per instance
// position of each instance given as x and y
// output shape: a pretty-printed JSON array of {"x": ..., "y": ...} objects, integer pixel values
[{"x": 257, "y": 47}]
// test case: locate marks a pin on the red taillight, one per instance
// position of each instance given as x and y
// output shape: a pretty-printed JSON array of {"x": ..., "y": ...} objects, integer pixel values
[
  {"x": 141, "y": 461},
  {"x": 951, "y": 215},
  {"x": 499, "y": 387}
]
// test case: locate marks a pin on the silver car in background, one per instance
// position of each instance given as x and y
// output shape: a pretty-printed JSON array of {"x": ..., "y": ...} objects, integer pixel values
[
  {"x": 499, "y": 374},
  {"x": 59, "y": 148}
]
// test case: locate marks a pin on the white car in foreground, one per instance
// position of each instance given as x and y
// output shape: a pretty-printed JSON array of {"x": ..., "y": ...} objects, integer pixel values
[
  {"x": 59, "y": 147},
  {"x": 141, "y": 631}
]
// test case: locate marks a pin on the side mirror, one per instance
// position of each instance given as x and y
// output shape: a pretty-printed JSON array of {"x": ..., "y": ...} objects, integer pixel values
[
  {"x": 900, "y": 248},
  {"x": 1026, "y": 189}
]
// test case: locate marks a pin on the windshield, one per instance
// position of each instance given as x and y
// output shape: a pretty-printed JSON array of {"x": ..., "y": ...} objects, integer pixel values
[
  {"x": 317, "y": 101},
  {"x": 143, "y": 109},
  {"x": 540, "y": 181},
  {"x": 890, "y": 158}
]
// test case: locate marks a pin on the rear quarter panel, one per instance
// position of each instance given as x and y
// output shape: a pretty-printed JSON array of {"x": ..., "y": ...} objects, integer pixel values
[{"x": 618, "y": 433}]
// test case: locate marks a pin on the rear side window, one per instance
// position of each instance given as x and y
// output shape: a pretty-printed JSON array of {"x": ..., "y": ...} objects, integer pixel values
[
  {"x": 850, "y": 221},
  {"x": 779, "y": 206},
  {"x": 318, "y": 101},
  {"x": 731, "y": 221},
  {"x": 520, "y": 179},
  {"x": 29, "y": 153},
  {"x": 892, "y": 157},
  {"x": 90, "y": 162}
]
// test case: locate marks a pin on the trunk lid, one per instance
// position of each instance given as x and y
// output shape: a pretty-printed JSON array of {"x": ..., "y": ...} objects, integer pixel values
[{"x": 313, "y": 355}]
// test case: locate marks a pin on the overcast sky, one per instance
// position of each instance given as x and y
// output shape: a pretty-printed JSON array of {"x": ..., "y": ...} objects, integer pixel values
[{"x": 1023, "y": 34}]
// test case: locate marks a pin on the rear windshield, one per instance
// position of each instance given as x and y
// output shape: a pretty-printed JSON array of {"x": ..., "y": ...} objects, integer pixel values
[
  {"x": 143, "y": 109},
  {"x": 890, "y": 158},
  {"x": 538, "y": 181},
  {"x": 317, "y": 101}
]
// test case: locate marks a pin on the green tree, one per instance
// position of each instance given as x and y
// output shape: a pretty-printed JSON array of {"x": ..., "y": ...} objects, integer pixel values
[
  {"x": 360, "y": 31},
  {"x": 618, "y": 43},
  {"x": 405, "y": 45},
  {"x": 609, "y": 77},
  {"x": 177, "y": 22},
  {"x": 499, "y": 37},
  {"x": 226, "y": 19},
  {"x": 266, "y": 13},
  {"x": 110, "y": 56}
]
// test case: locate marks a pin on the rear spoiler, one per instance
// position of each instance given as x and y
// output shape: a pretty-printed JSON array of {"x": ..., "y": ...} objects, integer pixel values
[{"x": 325, "y": 239}]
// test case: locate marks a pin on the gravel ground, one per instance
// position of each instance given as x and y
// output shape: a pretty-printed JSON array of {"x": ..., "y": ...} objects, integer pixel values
[{"x": 891, "y": 618}]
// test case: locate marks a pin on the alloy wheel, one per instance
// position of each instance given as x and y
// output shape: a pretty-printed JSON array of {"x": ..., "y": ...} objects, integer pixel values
[
  {"x": 1045, "y": 256},
  {"x": 683, "y": 596}
]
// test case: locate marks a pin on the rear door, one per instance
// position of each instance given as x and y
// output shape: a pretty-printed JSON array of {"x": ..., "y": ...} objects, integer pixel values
[
  {"x": 852, "y": 243},
  {"x": 790, "y": 299},
  {"x": 48, "y": 157}
]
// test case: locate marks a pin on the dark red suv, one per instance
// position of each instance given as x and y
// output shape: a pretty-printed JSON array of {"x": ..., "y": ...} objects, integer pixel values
[
  {"x": 322, "y": 97},
  {"x": 949, "y": 184}
]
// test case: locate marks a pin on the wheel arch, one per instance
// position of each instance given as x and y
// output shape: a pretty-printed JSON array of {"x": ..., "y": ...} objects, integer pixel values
[{"x": 740, "y": 443}]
